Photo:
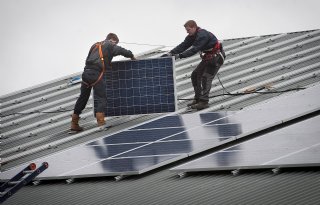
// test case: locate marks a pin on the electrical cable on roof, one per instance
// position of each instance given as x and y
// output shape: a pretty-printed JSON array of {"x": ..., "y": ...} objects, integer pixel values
[
  {"x": 245, "y": 93},
  {"x": 224, "y": 89},
  {"x": 253, "y": 92}
]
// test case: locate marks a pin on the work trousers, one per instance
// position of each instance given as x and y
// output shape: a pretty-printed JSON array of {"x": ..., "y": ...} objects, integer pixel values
[
  {"x": 99, "y": 90},
  {"x": 202, "y": 78}
]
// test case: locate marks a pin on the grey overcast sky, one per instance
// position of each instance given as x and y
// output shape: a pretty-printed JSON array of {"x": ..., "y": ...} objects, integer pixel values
[{"x": 42, "y": 40}]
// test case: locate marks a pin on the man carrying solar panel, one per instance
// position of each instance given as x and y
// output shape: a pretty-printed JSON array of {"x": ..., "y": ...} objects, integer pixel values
[
  {"x": 212, "y": 54},
  {"x": 98, "y": 60}
]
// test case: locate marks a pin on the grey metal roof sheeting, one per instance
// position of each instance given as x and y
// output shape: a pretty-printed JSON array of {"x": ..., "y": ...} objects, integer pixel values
[
  {"x": 264, "y": 63},
  {"x": 262, "y": 187}
]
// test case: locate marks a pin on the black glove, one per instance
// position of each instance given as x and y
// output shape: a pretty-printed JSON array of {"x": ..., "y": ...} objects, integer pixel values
[
  {"x": 166, "y": 55},
  {"x": 176, "y": 56}
]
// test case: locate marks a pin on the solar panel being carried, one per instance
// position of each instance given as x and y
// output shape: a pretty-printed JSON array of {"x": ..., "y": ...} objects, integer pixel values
[{"x": 140, "y": 87}]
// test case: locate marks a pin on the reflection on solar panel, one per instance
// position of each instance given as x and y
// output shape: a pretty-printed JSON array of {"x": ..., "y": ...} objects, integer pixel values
[
  {"x": 140, "y": 87},
  {"x": 140, "y": 148},
  {"x": 295, "y": 146},
  {"x": 162, "y": 141}
]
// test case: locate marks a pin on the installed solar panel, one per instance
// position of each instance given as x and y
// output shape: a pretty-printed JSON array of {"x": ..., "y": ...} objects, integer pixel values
[
  {"x": 135, "y": 150},
  {"x": 140, "y": 87},
  {"x": 295, "y": 146},
  {"x": 156, "y": 143}
]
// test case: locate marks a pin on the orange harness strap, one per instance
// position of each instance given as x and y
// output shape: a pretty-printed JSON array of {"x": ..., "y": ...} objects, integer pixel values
[{"x": 98, "y": 45}]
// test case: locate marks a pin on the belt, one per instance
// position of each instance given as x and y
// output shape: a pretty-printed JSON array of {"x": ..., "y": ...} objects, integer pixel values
[{"x": 208, "y": 56}]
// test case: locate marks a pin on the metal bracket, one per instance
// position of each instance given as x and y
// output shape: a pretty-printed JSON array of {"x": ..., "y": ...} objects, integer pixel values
[
  {"x": 182, "y": 174},
  {"x": 120, "y": 177},
  {"x": 276, "y": 170},
  {"x": 70, "y": 181},
  {"x": 36, "y": 183},
  {"x": 235, "y": 172}
]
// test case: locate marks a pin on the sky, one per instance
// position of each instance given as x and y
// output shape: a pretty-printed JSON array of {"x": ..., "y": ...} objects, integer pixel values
[{"x": 44, "y": 40}]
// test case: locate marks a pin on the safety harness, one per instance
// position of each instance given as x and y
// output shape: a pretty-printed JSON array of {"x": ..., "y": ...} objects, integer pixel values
[
  {"x": 99, "y": 47},
  {"x": 209, "y": 54}
]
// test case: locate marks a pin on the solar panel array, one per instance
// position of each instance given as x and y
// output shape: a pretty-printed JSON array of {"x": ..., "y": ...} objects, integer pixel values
[
  {"x": 140, "y": 87},
  {"x": 294, "y": 146},
  {"x": 140, "y": 148},
  {"x": 159, "y": 142},
  {"x": 297, "y": 145}
]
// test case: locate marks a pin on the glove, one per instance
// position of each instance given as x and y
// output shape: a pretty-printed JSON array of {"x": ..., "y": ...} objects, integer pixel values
[
  {"x": 166, "y": 55},
  {"x": 177, "y": 56}
]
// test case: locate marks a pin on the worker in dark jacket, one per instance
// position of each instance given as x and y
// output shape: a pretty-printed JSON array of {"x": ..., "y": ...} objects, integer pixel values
[
  {"x": 212, "y": 54},
  {"x": 98, "y": 60}
]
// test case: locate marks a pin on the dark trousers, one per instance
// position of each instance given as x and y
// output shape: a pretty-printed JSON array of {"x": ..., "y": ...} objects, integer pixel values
[
  {"x": 99, "y": 93},
  {"x": 202, "y": 78}
]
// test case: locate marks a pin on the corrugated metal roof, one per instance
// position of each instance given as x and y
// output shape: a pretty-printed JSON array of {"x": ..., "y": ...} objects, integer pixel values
[
  {"x": 262, "y": 187},
  {"x": 282, "y": 61}
]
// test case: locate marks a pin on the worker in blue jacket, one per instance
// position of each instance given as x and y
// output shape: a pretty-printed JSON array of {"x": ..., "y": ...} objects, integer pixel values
[
  {"x": 97, "y": 62},
  {"x": 212, "y": 54}
]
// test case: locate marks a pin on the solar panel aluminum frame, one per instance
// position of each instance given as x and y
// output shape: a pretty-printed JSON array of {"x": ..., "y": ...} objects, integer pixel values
[{"x": 179, "y": 170}]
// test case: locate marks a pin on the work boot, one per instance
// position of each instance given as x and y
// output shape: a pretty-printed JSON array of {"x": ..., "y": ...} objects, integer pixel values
[
  {"x": 200, "y": 105},
  {"x": 100, "y": 118},
  {"x": 75, "y": 123},
  {"x": 192, "y": 103}
]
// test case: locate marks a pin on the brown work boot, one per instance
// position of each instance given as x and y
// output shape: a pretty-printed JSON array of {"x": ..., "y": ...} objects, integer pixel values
[
  {"x": 200, "y": 105},
  {"x": 75, "y": 123},
  {"x": 100, "y": 118},
  {"x": 192, "y": 103}
]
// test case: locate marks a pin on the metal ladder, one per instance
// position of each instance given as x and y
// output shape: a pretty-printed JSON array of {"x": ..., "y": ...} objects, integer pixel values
[{"x": 20, "y": 179}]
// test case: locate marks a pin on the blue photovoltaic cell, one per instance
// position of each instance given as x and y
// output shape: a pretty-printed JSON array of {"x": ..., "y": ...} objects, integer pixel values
[{"x": 140, "y": 87}]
